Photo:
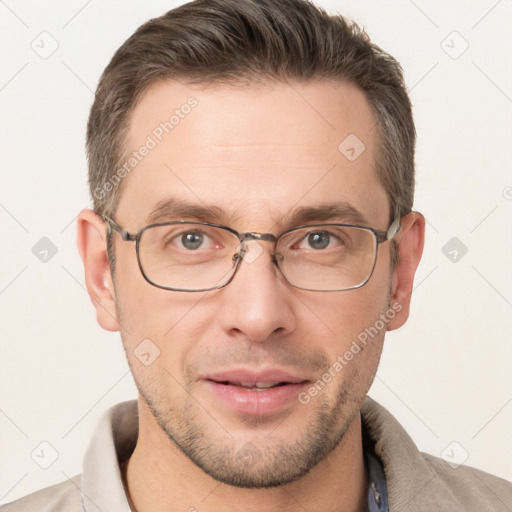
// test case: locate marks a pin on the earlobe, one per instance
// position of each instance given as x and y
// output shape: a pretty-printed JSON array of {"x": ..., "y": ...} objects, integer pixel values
[
  {"x": 92, "y": 246},
  {"x": 410, "y": 240}
]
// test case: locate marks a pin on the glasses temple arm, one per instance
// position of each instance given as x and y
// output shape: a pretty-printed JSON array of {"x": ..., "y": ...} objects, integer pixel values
[
  {"x": 394, "y": 228},
  {"x": 124, "y": 233}
]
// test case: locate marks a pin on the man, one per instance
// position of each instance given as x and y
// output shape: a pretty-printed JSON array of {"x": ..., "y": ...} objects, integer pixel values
[{"x": 252, "y": 169}]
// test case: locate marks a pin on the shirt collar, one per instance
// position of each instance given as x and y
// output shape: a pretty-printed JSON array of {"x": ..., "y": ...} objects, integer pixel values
[{"x": 113, "y": 441}]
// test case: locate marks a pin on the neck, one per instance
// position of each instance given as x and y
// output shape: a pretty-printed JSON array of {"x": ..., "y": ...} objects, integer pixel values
[{"x": 159, "y": 477}]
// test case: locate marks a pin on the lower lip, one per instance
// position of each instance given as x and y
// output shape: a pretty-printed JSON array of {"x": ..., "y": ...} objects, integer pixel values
[{"x": 254, "y": 401}]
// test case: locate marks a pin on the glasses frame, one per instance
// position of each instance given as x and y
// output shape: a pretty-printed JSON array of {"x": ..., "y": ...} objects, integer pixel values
[{"x": 380, "y": 237}]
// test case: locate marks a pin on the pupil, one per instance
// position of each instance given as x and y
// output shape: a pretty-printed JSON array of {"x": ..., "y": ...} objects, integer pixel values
[
  {"x": 192, "y": 240},
  {"x": 319, "y": 240}
]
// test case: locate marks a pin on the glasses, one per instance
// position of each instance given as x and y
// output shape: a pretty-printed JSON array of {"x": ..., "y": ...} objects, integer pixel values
[{"x": 199, "y": 256}]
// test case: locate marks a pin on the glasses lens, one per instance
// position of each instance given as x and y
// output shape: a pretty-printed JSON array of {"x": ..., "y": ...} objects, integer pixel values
[
  {"x": 187, "y": 256},
  {"x": 192, "y": 256},
  {"x": 327, "y": 257}
]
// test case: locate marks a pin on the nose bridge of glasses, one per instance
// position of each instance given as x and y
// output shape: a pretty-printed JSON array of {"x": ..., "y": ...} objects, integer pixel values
[
  {"x": 247, "y": 237},
  {"x": 266, "y": 237}
]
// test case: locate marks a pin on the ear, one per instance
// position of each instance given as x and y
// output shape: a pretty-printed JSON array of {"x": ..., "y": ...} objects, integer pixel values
[
  {"x": 410, "y": 240},
  {"x": 92, "y": 245}
]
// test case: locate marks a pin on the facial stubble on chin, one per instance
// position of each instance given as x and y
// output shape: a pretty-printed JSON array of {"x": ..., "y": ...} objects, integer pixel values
[{"x": 244, "y": 464}]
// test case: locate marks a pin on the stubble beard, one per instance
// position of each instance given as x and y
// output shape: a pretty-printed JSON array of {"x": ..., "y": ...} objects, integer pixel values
[{"x": 241, "y": 463}]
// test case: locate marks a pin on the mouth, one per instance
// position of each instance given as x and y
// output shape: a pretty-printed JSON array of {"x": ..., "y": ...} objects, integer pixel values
[
  {"x": 266, "y": 379},
  {"x": 253, "y": 386},
  {"x": 255, "y": 393}
]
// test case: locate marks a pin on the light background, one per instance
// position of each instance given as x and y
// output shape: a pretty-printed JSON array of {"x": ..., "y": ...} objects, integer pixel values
[{"x": 446, "y": 375}]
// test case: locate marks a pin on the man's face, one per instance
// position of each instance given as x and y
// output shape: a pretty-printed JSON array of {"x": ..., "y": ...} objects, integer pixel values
[{"x": 256, "y": 155}]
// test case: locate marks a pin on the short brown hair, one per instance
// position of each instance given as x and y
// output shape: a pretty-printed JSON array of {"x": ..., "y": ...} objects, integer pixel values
[{"x": 228, "y": 41}]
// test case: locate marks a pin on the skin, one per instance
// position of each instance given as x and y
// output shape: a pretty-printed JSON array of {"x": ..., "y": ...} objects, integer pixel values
[{"x": 258, "y": 153}]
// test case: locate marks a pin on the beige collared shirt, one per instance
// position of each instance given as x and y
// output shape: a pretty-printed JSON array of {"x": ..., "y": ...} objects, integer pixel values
[{"x": 416, "y": 481}]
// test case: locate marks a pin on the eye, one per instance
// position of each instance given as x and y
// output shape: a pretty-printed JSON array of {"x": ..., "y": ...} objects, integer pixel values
[
  {"x": 193, "y": 240},
  {"x": 319, "y": 240},
  {"x": 188, "y": 241}
]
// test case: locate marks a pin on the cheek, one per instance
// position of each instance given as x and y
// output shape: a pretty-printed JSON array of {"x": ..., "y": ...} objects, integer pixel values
[
  {"x": 355, "y": 348},
  {"x": 146, "y": 310},
  {"x": 352, "y": 332},
  {"x": 340, "y": 317},
  {"x": 158, "y": 325}
]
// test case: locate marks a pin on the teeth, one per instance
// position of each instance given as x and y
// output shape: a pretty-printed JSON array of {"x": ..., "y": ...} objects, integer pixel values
[
  {"x": 258, "y": 384},
  {"x": 266, "y": 384}
]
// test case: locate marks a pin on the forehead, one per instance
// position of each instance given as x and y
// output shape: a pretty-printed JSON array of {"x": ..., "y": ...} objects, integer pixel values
[{"x": 254, "y": 153}]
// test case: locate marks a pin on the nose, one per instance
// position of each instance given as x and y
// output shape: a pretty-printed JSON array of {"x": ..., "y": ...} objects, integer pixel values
[{"x": 258, "y": 302}]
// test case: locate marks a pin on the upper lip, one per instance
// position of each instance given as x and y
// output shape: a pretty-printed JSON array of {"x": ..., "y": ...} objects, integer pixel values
[{"x": 241, "y": 375}]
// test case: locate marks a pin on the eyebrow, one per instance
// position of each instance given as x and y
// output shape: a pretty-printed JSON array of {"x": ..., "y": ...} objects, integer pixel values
[
  {"x": 339, "y": 211},
  {"x": 170, "y": 209}
]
